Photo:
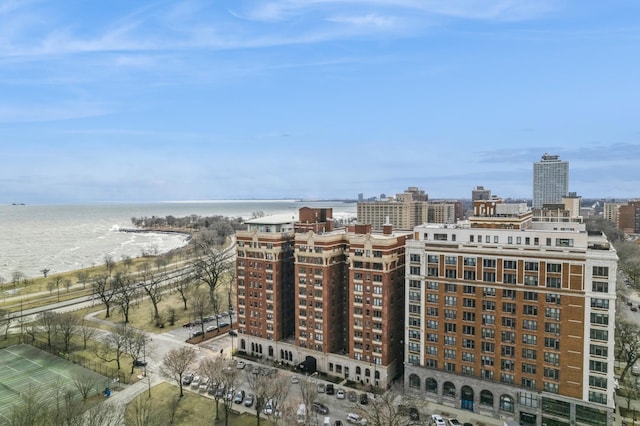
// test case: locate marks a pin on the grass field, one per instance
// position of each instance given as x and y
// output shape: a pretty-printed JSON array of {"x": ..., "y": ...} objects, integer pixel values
[{"x": 25, "y": 368}]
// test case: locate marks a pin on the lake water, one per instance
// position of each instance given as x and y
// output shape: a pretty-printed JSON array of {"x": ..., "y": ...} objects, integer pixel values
[{"x": 68, "y": 237}]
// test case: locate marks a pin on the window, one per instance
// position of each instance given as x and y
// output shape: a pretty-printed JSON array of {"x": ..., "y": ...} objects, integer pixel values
[
  {"x": 508, "y": 294},
  {"x": 564, "y": 242},
  {"x": 529, "y": 353},
  {"x": 489, "y": 277},
  {"x": 531, "y": 266},
  {"x": 530, "y": 295},
  {"x": 432, "y": 285},
  {"x": 507, "y": 365},
  {"x": 553, "y": 282},
  {"x": 598, "y": 366},
  {"x": 508, "y": 336},
  {"x": 506, "y": 350},
  {"x": 449, "y": 340},
  {"x": 554, "y": 267},
  {"x": 432, "y": 258},
  {"x": 469, "y": 289},
  {"x": 450, "y": 288},
  {"x": 469, "y": 261},
  {"x": 509, "y": 278},
  {"x": 598, "y": 350},
  {"x": 489, "y": 263},
  {"x": 602, "y": 319},
  {"x": 509, "y": 322},
  {"x": 530, "y": 339},
  {"x": 450, "y": 300},
  {"x": 552, "y": 373},
  {"x": 510, "y": 264},
  {"x": 552, "y": 343},
  {"x": 450, "y": 273},
  {"x": 488, "y": 347},
  {"x": 600, "y": 303},
  {"x": 598, "y": 334},
  {"x": 488, "y": 319},
  {"x": 489, "y": 292},
  {"x": 600, "y": 286},
  {"x": 553, "y": 313},
  {"x": 488, "y": 305},
  {"x": 531, "y": 280},
  {"x": 600, "y": 271},
  {"x": 529, "y": 368},
  {"x": 506, "y": 403},
  {"x": 509, "y": 308},
  {"x": 488, "y": 333},
  {"x": 552, "y": 298},
  {"x": 450, "y": 260},
  {"x": 530, "y": 310},
  {"x": 552, "y": 328},
  {"x": 469, "y": 275},
  {"x": 468, "y": 302},
  {"x": 552, "y": 358}
]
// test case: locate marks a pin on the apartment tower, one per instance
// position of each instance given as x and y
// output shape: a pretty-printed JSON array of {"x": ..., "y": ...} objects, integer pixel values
[
  {"x": 512, "y": 318},
  {"x": 550, "y": 180}
]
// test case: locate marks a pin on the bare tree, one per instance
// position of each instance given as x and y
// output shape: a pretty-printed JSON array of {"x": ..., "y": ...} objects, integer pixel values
[
  {"x": 16, "y": 277},
  {"x": 627, "y": 344},
  {"x": 45, "y": 271},
  {"x": 5, "y": 321},
  {"x": 30, "y": 410},
  {"x": 150, "y": 283},
  {"x": 125, "y": 293},
  {"x": 177, "y": 362},
  {"x": 136, "y": 345},
  {"x": 67, "y": 323},
  {"x": 200, "y": 305},
  {"x": 47, "y": 323},
  {"x": 109, "y": 263},
  {"x": 278, "y": 391},
  {"x": 105, "y": 414},
  {"x": 308, "y": 392},
  {"x": 210, "y": 265},
  {"x": 55, "y": 283},
  {"x": 228, "y": 376},
  {"x": 104, "y": 290},
  {"x": 143, "y": 413},
  {"x": 85, "y": 383},
  {"x": 82, "y": 276},
  {"x": 67, "y": 284},
  {"x": 87, "y": 332},
  {"x": 114, "y": 346},
  {"x": 211, "y": 368},
  {"x": 260, "y": 387},
  {"x": 185, "y": 285}
]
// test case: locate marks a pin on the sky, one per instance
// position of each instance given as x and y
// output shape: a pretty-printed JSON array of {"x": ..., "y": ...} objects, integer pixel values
[{"x": 233, "y": 99}]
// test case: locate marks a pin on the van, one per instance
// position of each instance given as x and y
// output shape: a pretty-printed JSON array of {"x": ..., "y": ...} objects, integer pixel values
[{"x": 327, "y": 421}]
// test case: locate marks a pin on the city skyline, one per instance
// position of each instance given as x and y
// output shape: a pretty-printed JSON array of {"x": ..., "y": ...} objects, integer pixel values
[{"x": 314, "y": 100}]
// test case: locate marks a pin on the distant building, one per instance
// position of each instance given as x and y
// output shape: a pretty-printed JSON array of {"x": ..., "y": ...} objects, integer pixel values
[
  {"x": 403, "y": 212},
  {"x": 629, "y": 217},
  {"x": 512, "y": 318},
  {"x": 610, "y": 212},
  {"x": 360, "y": 196},
  {"x": 444, "y": 211},
  {"x": 550, "y": 180},
  {"x": 479, "y": 193},
  {"x": 567, "y": 211}
]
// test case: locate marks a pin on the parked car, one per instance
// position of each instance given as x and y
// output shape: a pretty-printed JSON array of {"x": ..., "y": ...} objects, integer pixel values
[
  {"x": 233, "y": 333},
  {"x": 239, "y": 397},
  {"x": 204, "y": 384},
  {"x": 337, "y": 423},
  {"x": 634, "y": 309},
  {"x": 364, "y": 399},
  {"x": 454, "y": 422},
  {"x": 248, "y": 400},
  {"x": 139, "y": 363},
  {"x": 294, "y": 379},
  {"x": 187, "y": 378},
  {"x": 340, "y": 394},
  {"x": 197, "y": 333},
  {"x": 438, "y": 420},
  {"x": 241, "y": 364},
  {"x": 320, "y": 408},
  {"x": 353, "y": 396},
  {"x": 211, "y": 328},
  {"x": 230, "y": 394},
  {"x": 220, "y": 391},
  {"x": 224, "y": 324},
  {"x": 329, "y": 389},
  {"x": 268, "y": 408},
  {"x": 353, "y": 418},
  {"x": 195, "y": 382},
  {"x": 321, "y": 388}
]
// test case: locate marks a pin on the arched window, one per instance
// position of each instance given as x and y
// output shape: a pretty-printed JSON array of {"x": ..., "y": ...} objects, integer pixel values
[
  {"x": 271, "y": 351},
  {"x": 414, "y": 381},
  {"x": 506, "y": 403},
  {"x": 486, "y": 398},
  {"x": 377, "y": 375},
  {"x": 358, "y": 371},
  {"x": 431, "y": 385},
  {"x": 243, "y": 345},
  {"x": 367, "y": 372},
  {"x": 449, "y": 389},
  {"x": 281, "y": 354}
]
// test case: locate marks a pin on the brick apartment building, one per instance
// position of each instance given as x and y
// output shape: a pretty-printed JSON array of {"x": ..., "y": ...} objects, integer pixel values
[
  {"x": 307, "y": 291},
  {"x": 512, "y": 318}
]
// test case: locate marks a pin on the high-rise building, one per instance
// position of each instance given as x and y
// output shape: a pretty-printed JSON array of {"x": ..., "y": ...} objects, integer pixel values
[
  {"x": 404, "y": 211},
  {"x": 479, "y": 193},
  {"x": 512, "y": 318},
  {"x": 340, "y": 310},
  {"x": 629, "y": 217},
  {"x": 550, "y": 180}
]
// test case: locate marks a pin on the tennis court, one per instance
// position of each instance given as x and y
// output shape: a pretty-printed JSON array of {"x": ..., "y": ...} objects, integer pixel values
[{"x": 25, "y": 367}]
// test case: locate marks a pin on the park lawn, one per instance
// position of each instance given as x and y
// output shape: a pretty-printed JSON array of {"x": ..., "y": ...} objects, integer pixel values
[{"x": 193, "y": 409}]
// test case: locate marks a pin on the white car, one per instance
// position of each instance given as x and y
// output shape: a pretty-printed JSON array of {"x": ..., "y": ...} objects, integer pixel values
[
  {"x": 438, "y": 420},
  {"x": 268, "y": 408},
  {"x": 241, "y": 365},
  {"x": 340, "y": 394}
]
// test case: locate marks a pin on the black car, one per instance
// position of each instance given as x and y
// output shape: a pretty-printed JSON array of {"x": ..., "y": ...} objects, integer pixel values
[
  {"x": 329, "y": 390},
  {"x": 187, "y": 378},
  {"x": 139, "y": 363},
  {"x": 197, "y": 333},
  {"x": 364, "y": 399},
  {"x": 320, "y": 408},
  {"x": 233, "y": 333}
]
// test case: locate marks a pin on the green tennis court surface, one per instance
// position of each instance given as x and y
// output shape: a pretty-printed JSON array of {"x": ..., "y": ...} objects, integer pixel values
[{"x": 23, "y": 368}]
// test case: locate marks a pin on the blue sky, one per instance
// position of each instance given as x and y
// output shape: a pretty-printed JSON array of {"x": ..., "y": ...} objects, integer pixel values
[{"x": 186, "y": 100}]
